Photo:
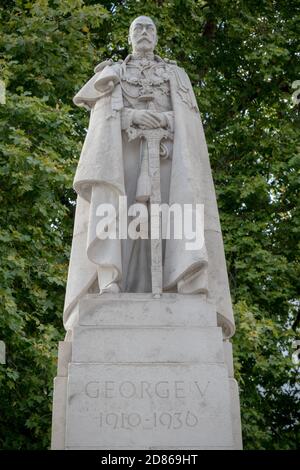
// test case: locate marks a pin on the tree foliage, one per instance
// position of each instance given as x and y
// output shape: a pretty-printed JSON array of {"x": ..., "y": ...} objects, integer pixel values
[{"x": 242, "y": 59}]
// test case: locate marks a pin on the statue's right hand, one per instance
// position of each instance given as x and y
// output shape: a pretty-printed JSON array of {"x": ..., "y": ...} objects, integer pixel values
[{"x": 146, "y": 119}]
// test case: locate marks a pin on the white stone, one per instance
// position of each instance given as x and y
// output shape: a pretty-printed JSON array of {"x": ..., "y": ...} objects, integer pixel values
[
  {"x": 236, "y": 414},
  {"x": 137, "y": 105},
  {"x": 144, "y": 364},
  {"x": 228, "y": 357},
  {"x": 2, "y": 352},
  {"x": 60, "y": 396},
  {"x": 141, "y": 309},
  {"x": 162, "y": 370},
  {"x": 59, "y": 413},
  {"x": 148, "y": 406},
  {"x": 140, "y": 328},
  {"x": 137, "y": 344},
  {"x": 64, "y": 358}
]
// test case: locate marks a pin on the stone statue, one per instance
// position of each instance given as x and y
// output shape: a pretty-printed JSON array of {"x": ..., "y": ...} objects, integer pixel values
[
  {"x": 143, "y": 110},
  {"x": 146, "y": 362}
]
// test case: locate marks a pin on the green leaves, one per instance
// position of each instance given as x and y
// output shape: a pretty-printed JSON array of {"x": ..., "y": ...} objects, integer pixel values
[
  {"x": 267, "y": 378},
  {"x": 242, "y": 60}
]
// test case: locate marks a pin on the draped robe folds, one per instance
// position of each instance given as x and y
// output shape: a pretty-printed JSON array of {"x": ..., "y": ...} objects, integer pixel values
[{"x": 100, "y": 179}]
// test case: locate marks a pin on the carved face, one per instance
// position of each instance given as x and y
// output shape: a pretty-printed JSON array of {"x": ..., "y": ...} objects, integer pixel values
[{"x": 142, "y": 34}]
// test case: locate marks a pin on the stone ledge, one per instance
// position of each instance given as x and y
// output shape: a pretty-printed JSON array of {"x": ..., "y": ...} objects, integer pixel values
[
  {"x": 155, "y": 344},
  {"x": 144, "y": 310}
]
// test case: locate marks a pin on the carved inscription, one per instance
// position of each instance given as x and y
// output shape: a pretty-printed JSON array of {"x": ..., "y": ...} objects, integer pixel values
[
  {"x": 175, "y": 420},
  {"x": 163, "y": 391},
  {"x": 141, "y": 390}
]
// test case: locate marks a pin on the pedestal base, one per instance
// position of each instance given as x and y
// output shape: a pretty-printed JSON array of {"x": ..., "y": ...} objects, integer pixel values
[{"x": 146, "y": 373}]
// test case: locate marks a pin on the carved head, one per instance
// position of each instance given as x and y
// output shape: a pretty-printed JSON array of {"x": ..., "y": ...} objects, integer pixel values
[{"x": 142, "y": 35}]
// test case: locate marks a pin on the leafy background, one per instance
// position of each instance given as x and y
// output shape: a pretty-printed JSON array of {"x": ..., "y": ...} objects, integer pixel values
[{"x": 242, "y": 58}]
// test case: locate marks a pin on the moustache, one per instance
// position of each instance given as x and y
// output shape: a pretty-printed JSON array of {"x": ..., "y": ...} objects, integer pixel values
[{"x": 143, "y": 38}]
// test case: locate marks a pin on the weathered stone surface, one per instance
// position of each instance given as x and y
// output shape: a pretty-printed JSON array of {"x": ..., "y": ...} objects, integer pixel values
[
  {"x": 140, "y": 328},
  {"x": 228, "y": 357},
  {"x": 133, "y": 344},
  {"x": 145, "y": 372},
  {"x": 139, "y": 379},
  {"x": 148, "y": 406},
  {"x": 59, "y": 413},
  {"x": 236, "y": 414},
  {"x": 153, "y": 151},
  {"x": 2, "y": 352},
  {"x": 64, "y": 358},
  {"x": 142, "y": 309}
]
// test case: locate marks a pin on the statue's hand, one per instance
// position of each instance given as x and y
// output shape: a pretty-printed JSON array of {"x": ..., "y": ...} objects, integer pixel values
[{"x": 149, "y": 119}]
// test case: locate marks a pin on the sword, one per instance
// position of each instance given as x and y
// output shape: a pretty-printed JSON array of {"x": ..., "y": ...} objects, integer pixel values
[{"x": 152, "y": 138}]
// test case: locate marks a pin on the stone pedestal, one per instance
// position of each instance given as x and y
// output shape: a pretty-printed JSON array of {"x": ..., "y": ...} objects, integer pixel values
[{"x": 145, "y": 373}]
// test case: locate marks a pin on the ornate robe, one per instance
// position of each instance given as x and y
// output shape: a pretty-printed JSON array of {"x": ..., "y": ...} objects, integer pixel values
[{"x": 109, "y": 167}]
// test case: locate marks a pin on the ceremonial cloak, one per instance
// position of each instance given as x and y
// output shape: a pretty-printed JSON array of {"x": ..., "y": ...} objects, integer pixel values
[{"x": 100, "y": 179}]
